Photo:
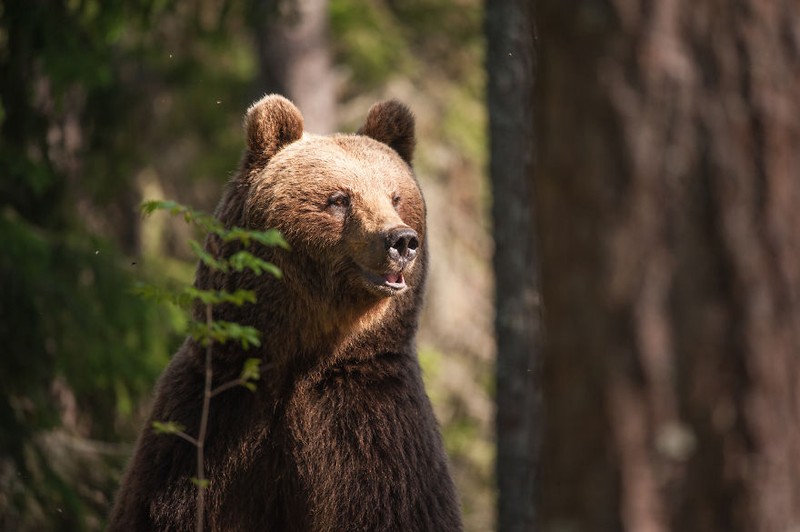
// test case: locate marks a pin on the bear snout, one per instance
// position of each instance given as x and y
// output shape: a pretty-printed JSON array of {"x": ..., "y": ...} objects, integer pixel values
[{"x": 402, "y": 244}]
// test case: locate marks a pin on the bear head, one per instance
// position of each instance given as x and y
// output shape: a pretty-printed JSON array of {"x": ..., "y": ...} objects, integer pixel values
[{"x": 349, "y": 206}]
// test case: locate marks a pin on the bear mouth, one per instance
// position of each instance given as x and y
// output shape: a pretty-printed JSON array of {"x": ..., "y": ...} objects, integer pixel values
[
  {"x": 388, "y": 283},
  {"x": 395, "y": 280}
]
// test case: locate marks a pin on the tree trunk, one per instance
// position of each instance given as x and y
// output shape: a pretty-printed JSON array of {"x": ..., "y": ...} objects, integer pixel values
[
  {"x": 294, "y": 57},
  {"x": 668, "y": 211},
  {"x": 510, "y": 69}
]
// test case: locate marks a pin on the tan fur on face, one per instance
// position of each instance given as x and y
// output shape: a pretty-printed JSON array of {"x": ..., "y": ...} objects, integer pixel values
[{"x": 291, "y": 194}]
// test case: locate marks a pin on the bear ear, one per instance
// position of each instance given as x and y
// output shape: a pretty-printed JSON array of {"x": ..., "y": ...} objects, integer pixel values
[
  {"x": 272, "y": 123},
  {"x": 392, "y": 123}
]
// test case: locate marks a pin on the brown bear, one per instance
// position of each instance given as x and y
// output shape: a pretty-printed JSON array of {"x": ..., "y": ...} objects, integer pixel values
[{"x": 339, "y": 434}]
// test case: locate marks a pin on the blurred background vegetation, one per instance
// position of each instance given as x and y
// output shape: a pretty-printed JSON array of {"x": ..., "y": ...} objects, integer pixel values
[{"x": 106, "y": 104}]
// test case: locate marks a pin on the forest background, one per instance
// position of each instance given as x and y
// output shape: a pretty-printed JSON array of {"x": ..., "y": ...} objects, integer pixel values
[
  {"x": 106, "y": 104},
  {"x": 611, "y": 336}
]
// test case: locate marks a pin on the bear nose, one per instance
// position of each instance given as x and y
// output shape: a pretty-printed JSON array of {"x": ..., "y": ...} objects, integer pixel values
[{"x": 402, "y": 243}]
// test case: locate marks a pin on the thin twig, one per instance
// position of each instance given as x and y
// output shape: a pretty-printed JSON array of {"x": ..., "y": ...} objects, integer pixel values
[
  {"x": 186, "y": 437},
  {"x": 227, "y": 386},
  {"x": 201, "y": 436}
]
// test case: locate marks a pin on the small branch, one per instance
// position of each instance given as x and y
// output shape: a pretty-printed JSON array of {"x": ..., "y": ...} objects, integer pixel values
[
  {"x": 227, "y": 386},
  {"x": 221, "y": 330},
  {"x": 186, "y": 437},
  {"x": 201, "y": 436}
]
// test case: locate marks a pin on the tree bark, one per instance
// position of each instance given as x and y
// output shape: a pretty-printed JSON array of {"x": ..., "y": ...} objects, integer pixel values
[
  {"x": 294, "y": 57},
  {"x": 510, "y": 83},
  {"x": 668, "y": 211}
]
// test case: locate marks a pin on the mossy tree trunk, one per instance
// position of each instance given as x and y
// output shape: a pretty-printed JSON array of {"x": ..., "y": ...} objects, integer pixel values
[{"x": 668, "y": 211}]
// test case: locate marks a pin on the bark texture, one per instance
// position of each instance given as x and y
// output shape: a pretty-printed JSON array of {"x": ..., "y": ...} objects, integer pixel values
[
  {"x": 668, "y": 209},
  {"x": 510, "y": 84}
]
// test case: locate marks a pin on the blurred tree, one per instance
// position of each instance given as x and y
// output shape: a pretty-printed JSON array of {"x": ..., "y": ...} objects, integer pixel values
[
  {"x": 510, "y": 64},
  {"x": 294, "y": 57},
  {"x": 668, "y": 208},
  {"x": 57, "y": 283}
]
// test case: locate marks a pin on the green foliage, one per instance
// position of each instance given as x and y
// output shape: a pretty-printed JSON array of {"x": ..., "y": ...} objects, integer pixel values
[
  {"x": 89, "y": 92},
  {"x": 221, "y": 331},
  {"x": 270, "y": 237},
  {"x": 215, "y": 297},
  {"x": 200, "y": 483},
  {"x": 217, "y": 331},
  {"x": 157, "y": 294},
  {"x": 251, "y": 372},
  {"x": 52, "y": 55},
  {"x": 183, "y": 297},
  {"x": 208, "y": 259},
  {"x": 210, "y": 332},
  {"x": 68, "y": 314},
  {"x": 168, "y": 427},
  {"x": 369, "y": 41},
  {"x": 204, "y": 221},
  {"x": 72, "y": 335},
  {"x": 384, "y": 39},
  {"x": 244, "y": 260},
  {"x": 239, "y": 261},
  {"x": 209, "y": 224}
]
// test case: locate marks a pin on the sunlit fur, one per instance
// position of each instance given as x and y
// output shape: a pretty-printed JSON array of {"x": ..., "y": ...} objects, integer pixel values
[{"x": 340, "y": 434}]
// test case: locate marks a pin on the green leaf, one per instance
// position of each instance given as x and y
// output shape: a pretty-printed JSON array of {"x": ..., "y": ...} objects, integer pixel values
[
  {"x": 170, "y": 427},
  {"x": 154, "y": 293},
  {"x": 202, "y": 484},
  {"x": 241, "y": 296},
  {"x": 270, "y": 237},
  {"x": 149, "y": 207},
  {"x": 157, "y": 294},
  {"x": 208, "y": 297},
  {"x": 215, "y": 297},
  {"x": 200, "y": 219},
  {"x": 251, "y": 371},
  {"x": 207, "y": 258},
  {"x": 222, "y": 331},
  {"x": 245, "y": 260},
  {"x": 237, "y": 233}
]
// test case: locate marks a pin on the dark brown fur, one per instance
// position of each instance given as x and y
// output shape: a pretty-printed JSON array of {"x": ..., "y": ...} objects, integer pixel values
[{"x": 340, "y": 434}]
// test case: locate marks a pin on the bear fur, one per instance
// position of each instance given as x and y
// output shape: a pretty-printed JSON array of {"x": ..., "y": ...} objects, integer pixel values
[{"x": 339, "y": 434}]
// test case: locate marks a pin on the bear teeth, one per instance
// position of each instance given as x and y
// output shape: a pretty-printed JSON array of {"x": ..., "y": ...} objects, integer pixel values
[{"x": 394, "y": 278}]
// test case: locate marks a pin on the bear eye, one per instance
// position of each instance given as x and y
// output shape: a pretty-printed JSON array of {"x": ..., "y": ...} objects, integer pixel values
[
  {"x": 395, "y": 200},
  {"x": 339, "y": 199}
]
